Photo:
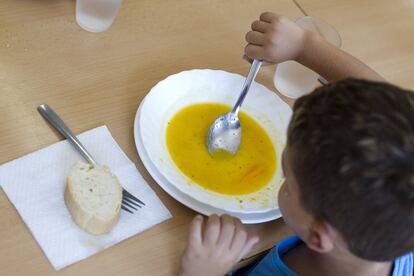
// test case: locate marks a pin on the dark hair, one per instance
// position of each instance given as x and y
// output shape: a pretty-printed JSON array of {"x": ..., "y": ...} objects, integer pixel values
[{"x": 353, "y": 157}]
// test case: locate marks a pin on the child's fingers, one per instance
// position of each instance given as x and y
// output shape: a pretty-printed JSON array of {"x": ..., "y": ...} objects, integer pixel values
[
  {"x": 255, "y": 38},
  {"x": 254, "y": 51},
  {"x": 246, "y": 58},
  {"x": 239, "y": 238},
  {"x": 227, "y": 231},
  {"x": 212, "y": 230},
  {"x": 268, "y": 17},
  {"x": 260, "y": 26},
  {"x": 251, "y": 241},
  {"x": 196, "y": 230},
  {"x": 249, "y": 60}
]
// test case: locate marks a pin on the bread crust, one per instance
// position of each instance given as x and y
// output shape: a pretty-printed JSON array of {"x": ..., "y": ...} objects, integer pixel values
[{"x": 87, "y": 219}]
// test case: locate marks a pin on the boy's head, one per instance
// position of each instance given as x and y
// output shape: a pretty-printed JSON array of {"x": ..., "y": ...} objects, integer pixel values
[{"x": 349, "y": 167}]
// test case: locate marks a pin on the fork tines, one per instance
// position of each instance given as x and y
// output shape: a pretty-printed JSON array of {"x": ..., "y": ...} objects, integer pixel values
[{"x": 130, "y": 201}]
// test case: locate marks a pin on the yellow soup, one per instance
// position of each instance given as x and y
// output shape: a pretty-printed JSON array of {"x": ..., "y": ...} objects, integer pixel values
[{"x": 249, "y": 170}]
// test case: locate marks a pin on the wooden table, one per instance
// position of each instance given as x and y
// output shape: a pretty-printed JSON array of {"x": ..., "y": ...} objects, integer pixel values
[{"x": 95, "y": 79}]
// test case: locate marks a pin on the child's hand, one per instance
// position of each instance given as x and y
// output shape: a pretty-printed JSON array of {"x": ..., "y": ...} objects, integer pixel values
[
  {"x": 215, "y": 246},
  {"x": 274, "y": 39}
]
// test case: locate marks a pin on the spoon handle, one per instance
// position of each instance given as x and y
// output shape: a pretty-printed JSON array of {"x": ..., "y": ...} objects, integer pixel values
[{"x": 250, "y": 77}]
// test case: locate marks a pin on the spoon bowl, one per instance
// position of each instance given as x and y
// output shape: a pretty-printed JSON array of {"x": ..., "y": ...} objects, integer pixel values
[{"x": 225, "y": 134}]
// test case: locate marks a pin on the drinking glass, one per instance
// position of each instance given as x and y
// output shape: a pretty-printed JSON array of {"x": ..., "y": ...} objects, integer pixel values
[{"x": 96, "y": 15}]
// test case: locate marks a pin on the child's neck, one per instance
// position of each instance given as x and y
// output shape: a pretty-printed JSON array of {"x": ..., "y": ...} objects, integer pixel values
[{"x": 304, "y": 261}]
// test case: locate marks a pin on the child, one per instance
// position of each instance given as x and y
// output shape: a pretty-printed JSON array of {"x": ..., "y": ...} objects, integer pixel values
[{"x": 349, "y": 169}]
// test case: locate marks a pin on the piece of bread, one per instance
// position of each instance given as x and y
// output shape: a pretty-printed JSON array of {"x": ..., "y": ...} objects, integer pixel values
[{"x": 93, "y": 197}]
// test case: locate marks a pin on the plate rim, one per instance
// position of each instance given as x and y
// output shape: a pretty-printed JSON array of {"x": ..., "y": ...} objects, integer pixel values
[{"x": 186, "y": 200}]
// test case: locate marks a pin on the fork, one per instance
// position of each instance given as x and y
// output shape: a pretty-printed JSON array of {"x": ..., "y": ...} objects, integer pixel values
[{"x": 129, "y": 201}]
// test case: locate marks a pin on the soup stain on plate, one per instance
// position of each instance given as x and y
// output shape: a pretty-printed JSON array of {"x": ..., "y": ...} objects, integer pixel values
[{"x": 247, "y": 172}]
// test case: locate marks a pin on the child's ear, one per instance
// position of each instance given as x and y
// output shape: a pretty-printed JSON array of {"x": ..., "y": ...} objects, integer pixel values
[{"x": 320, "y": 237}]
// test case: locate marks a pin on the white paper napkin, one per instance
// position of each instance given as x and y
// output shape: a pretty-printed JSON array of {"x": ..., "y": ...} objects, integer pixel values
[{"x": 35, "y": 185}]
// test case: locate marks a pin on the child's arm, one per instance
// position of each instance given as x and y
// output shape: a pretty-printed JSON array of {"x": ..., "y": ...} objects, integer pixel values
[
  {"x": 276, "y": 39},
  {"x": 214, "y": 246}
]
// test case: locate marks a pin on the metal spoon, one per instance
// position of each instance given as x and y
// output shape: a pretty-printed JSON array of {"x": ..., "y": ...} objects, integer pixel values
[{"x": 225, "y": 132}]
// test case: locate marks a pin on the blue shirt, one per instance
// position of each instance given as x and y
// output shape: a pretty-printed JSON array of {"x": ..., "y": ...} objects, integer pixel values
[{"x": 272, "y": 264}]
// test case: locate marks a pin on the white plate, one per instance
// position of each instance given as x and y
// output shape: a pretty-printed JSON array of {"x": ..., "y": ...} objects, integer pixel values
[
  {"x": 195, "y": 86},
  {"x": 187, "y": 200}
]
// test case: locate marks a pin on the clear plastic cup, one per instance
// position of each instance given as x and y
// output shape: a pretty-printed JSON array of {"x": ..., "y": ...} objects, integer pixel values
[
  {"x": 292, "y": 79},
  {"x": 96, "y": 15}
]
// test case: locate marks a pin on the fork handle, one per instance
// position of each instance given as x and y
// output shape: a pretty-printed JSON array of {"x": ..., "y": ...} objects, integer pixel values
[{"x": 59, "y": 125}]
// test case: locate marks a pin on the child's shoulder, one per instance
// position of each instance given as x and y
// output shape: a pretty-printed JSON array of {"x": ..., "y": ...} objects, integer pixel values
[
  {"x": 282, "y": 258},
  {"x": 404, "y": 265},
  {"x": 272, "y": 263}
]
